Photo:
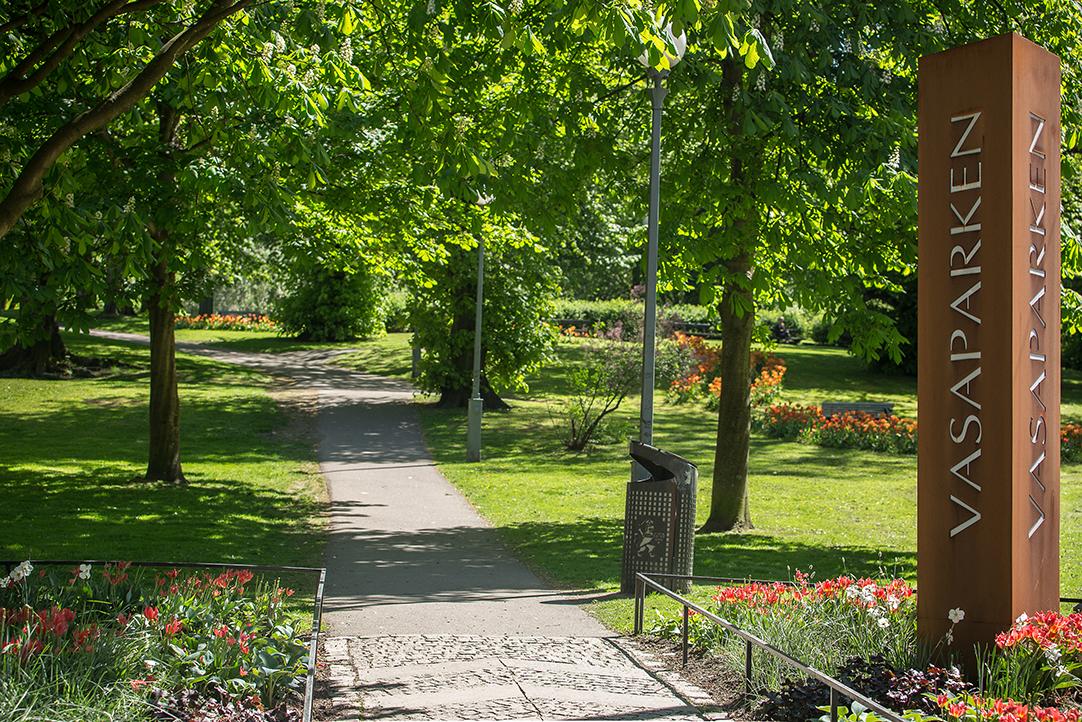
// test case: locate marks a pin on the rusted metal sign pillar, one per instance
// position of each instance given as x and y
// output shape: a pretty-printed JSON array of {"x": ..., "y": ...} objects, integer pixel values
[{"x": 989, "y": 329}]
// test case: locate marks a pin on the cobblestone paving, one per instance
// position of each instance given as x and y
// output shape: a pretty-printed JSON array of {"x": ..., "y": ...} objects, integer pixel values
[{"x": 466, "y": 677}]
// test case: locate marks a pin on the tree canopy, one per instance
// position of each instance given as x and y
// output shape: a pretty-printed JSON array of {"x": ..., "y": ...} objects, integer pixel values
[{"x": 150, "y": 150}]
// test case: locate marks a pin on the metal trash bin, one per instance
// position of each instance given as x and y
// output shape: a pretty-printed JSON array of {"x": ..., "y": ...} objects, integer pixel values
[{"x": 659, "y": 518}]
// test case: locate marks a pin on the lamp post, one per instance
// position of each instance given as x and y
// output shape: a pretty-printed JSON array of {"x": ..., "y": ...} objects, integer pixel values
[
  {"x": 649, "y": 326},
  {"x": 476, "y": 403}
]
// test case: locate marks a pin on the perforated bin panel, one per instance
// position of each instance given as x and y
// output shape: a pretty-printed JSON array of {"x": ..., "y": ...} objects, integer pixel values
[
  {"x": 659, "y": 520},
  {"x": 683, "y": 561}
]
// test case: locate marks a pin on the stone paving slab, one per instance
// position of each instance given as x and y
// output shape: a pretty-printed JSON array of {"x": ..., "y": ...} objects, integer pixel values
[{"x": 473, "y": 677}]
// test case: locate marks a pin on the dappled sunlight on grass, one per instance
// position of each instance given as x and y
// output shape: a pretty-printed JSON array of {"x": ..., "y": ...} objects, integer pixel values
[
  {"x": 829, "y": 510},
  {"x": 72, "y": 450},
  {"x": 388, "y": 355}
]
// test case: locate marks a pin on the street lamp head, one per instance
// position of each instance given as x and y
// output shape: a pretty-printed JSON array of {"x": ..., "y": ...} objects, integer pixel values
[{"x": 679, "y": 43}]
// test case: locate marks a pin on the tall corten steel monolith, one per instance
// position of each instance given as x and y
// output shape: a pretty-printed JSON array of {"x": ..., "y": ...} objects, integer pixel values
[{"x": 989, "y": 325}]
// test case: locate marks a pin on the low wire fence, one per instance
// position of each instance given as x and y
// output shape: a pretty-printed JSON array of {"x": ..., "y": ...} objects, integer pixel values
[{"x": 838, "y": 689}]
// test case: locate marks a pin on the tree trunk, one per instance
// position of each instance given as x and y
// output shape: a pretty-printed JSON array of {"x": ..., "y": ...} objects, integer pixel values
[
  {"x": 458, "y": 395},
  {"x": 40, "y": 356},
  {"x": 164, "y": 452},
  {"x": 728, "y": 497}
]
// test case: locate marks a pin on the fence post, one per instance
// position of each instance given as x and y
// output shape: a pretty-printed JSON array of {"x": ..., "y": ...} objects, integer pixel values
[
  {"x": 833, "y": 705},
  {"x": 747, "y": 667},
  {"x": 684, "y": 637},
  {"x": 639, "y": 604}
]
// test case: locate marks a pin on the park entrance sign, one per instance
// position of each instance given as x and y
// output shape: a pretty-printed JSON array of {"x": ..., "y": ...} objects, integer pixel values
[{"x": 989, "y": 330}]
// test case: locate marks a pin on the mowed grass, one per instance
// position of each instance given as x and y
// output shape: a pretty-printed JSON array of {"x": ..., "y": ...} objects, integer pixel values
[
  {"x": 827, "y": 510},
  {"x": 70, "y": 451},
  {"x": 247, "y": 341}
]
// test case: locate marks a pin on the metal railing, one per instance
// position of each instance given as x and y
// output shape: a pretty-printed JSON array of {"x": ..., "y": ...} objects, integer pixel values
[
  {"x": 836, "y": 687},
  {"x": 317, "y": 611},
  {"x": 751, "y": 642}
]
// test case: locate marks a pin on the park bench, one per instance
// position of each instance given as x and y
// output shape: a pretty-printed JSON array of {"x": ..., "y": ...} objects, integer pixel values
[{"x": 875, "y": 408}]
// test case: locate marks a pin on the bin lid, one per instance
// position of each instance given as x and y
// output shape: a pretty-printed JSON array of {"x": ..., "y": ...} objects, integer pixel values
[{"x": 662, "y": 465}]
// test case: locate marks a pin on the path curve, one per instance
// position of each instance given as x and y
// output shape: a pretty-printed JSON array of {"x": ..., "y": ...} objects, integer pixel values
[
  {"x": 427, "y": 615},
  {"x": 406, "y": 554}
]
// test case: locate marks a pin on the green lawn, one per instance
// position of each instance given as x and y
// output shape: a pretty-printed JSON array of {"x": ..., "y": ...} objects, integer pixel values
[
  {"x": 389, "y": 355},
  {"x": 831, "y": 510},
  {"x": 69, "y": 450},
  {"x": 252, "y": 341}
]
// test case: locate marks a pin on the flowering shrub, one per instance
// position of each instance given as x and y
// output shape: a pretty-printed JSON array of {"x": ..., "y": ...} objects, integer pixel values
[
  {"x": 700, "y": 368},
  {"x": 701, "y": 379},
  {"x": 156, "y": 634},
  {"x": 228, "y": 322},
  {"x": 766, "y": 388},
  {"x": 1071, "y": 442}
]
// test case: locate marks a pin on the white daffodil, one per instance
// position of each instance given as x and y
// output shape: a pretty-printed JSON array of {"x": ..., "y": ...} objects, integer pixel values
[
  {"x": 884, "y": 622},
  {"x": 5, "y": 582},
  {"x": 956, "y": 615},
  {"x": 1022, "y": 618},
  {"x": 22, "y": 571},
  {"x": 893, "y": 602},
  {"x": 84, "y": 571}
]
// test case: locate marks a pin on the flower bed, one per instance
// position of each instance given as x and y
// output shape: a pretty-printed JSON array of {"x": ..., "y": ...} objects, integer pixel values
[
  {"x": 863, "y": 632},
  {"x": 119, "y": 642},
  {"x": 1071, "y": 442},
  {"x": 228, "y": 322},
  {"x": 856, "y": 430},
  {"x": 852, "y": 430}
]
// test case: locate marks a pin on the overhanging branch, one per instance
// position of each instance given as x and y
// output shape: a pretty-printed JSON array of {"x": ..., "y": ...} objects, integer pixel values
[
  {"x": 28, "y": 189},
  {"x": 59, "y": 46}
]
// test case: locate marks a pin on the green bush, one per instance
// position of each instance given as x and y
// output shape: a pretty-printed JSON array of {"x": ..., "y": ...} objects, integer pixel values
[
  {"x": 600, "y": 315},
  {"x": 791, "y": 325},
  {"x": 611, "y": 370},
  {"x": 396, "y": 312},
  {"x": 516, "y": 334},
  {"x": 824, "y": 333},
  {"x": 1071, "y": 350},
  {"x": 627, "y": 315},
  {"x": 331, "y": 304}
]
